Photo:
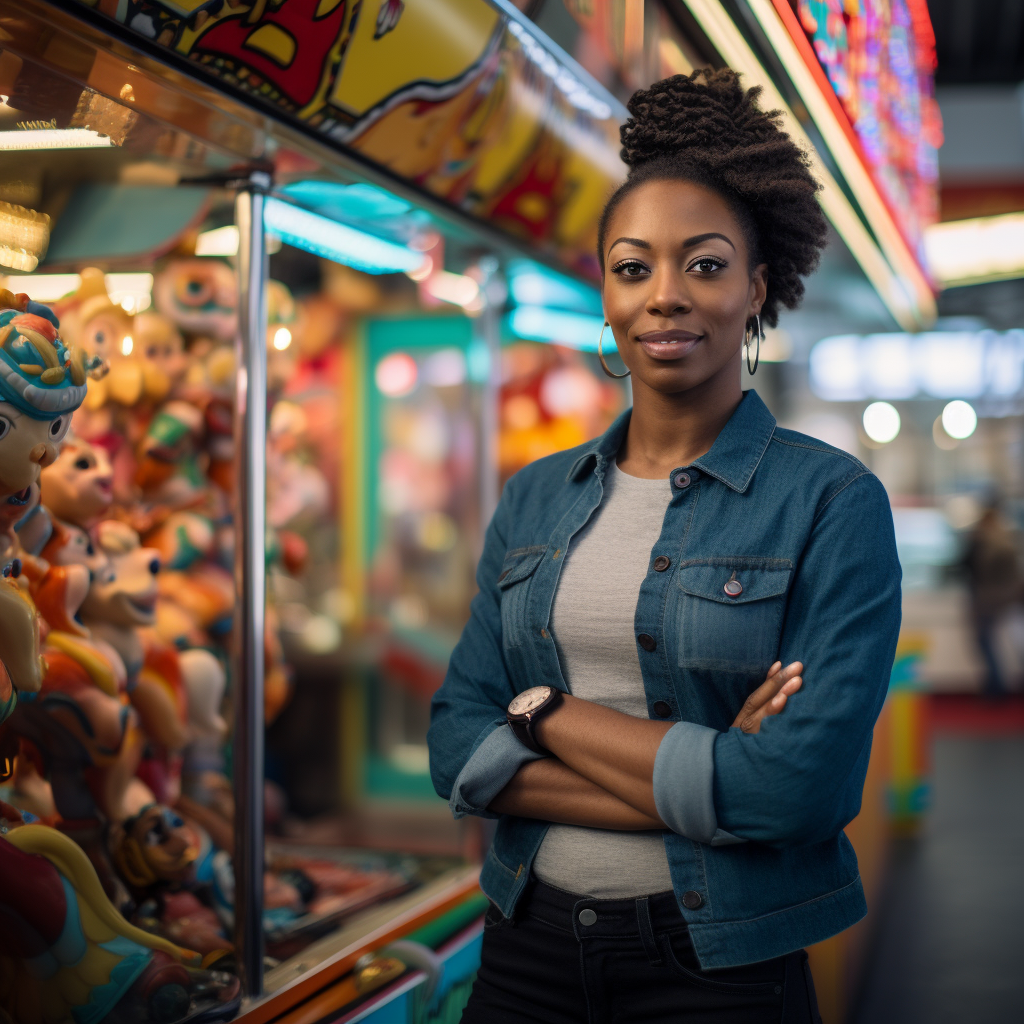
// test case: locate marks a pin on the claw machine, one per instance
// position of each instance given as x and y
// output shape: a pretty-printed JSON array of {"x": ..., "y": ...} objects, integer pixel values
[{"x": 277, "y": 242}]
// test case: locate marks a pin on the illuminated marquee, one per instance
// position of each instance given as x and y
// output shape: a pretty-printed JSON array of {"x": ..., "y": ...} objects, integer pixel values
[{"x": 879, "y": 57}]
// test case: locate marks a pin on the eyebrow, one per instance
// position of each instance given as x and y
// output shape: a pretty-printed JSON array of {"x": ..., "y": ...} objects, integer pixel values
[{"x": 687, "y": 244}]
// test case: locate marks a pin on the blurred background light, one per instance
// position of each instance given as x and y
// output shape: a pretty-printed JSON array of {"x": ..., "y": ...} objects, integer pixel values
[
  {"x": 282, "y": 339},
  {"x": 976, "y": 250},
  {"x": 338, "y": 242},
  {"x": 53, "y": 138},
  {"x": 576, "y": 330},
  {"x": 959, "y": 419},
  {"x": 224, "y": 242},
  {"x": 396, "y": 375},
  {"x": 936, "y": 364},
  {"x": 458, "y": 289},
  {"x": 532, "y": 284},
  {"x": 881, "y": 422}
]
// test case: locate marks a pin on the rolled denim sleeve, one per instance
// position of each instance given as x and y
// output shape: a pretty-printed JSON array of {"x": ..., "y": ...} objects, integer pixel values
[
  {"x": 469, "y": 708},
  {"x": 684, "y": 783},
  {"x": 799, "y": 780},
  {"x": 488, "y": 771}
]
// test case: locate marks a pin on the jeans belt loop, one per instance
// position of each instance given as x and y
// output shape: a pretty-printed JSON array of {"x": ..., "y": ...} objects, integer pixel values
[{"x": 643, "y": 920}]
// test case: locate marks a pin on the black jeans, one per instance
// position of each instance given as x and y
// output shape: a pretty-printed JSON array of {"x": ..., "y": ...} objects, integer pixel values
[{"x": 633, "y": 962}]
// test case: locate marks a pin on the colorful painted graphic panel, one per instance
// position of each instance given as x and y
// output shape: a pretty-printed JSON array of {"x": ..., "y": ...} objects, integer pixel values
[{"x": 451, "y": 95}]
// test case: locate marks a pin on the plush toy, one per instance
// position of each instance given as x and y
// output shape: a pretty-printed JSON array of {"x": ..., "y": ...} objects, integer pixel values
[
  {"x": 78, "y": 486},
  {"x": 67, "y": 954},
  {"x": 42, "y": 382},
  {"x": 200, "y": 296}
]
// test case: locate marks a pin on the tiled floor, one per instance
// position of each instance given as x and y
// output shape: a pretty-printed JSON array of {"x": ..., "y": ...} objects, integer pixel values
[{"x": 950, "y": 948}]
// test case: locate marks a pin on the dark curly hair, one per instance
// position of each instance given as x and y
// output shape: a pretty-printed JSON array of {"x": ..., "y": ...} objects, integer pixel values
[{"x": 707, "y": 129}]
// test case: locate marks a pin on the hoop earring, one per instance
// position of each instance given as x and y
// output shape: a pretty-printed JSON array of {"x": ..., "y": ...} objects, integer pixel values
[
  {"x": 746, "y": 345},
  {"x": 600, "y": 355}
]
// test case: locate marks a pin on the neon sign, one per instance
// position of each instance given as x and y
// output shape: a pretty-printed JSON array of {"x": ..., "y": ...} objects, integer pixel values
[{"x": 879, "y": 56}]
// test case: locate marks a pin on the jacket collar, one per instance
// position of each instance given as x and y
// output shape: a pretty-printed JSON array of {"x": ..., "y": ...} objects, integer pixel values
[{"x": 733, "y": 457}]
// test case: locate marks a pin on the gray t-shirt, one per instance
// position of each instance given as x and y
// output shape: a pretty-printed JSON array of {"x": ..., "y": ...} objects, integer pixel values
[{"x": 592, "y": 625}]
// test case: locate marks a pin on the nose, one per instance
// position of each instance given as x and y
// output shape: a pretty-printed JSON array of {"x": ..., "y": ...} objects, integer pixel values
[
  {"x": 43, "y": 453},
  {"x": 668, "y": 294}
]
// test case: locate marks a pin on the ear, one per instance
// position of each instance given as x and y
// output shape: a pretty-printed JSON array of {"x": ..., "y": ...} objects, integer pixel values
[{"x": 758, "y": 288}]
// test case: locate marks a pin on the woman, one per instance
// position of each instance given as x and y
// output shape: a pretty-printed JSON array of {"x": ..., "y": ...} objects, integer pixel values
[{"x": 659, "y": 856}]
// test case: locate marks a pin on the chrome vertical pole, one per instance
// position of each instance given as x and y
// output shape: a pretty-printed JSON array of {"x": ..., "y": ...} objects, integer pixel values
[
  {"x": 250, "y": 578},
  {"x": 488, "y": 332}
]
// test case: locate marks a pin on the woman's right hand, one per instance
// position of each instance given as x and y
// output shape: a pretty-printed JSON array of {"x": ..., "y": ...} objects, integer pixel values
[{"x": 770, "y": 697}]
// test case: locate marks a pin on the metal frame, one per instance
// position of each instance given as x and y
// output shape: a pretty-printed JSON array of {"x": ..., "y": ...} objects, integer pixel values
[{"x": 250, "y": 437}]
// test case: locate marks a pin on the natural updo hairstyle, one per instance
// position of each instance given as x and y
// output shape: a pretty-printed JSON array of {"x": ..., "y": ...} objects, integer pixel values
[{"x": 705, "y": 128}]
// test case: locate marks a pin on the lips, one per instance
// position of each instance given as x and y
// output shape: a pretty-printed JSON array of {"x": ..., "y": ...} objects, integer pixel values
[
  {"x": 145, "y": 605},
  {"x": 668, "y": 345}
]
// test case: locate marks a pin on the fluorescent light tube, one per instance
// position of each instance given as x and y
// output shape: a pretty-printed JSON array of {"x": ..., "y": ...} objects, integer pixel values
[
  {"x": 976, "y": 250},
  {"x": 54, "y": 138},
  {"x": 338, "y": 242},
  {"x": 576, "y": 330}
]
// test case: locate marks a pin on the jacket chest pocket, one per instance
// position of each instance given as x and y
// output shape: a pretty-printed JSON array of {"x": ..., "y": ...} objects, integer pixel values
[
  {"x": 514, "y": 585},
  {"x": 730, "y": 612}
]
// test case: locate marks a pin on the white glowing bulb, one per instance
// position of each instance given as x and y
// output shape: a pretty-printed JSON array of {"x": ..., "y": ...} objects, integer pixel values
[
  {"x": 881, "y": 422},
  {"x": 127, "y": 345},
  {"x": 959, "y": 419},
  {"x": 282, "y": 338}
]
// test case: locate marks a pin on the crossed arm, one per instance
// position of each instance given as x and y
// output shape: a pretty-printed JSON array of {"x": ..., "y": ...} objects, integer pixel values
[{"x": 601, "y": 774}]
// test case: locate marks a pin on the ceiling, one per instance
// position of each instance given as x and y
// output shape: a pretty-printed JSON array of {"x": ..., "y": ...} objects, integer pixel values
[{"x": 978, "y": 41}]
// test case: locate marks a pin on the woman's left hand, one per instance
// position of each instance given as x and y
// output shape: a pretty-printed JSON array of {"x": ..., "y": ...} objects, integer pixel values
[{"x": 770, "y": 697}]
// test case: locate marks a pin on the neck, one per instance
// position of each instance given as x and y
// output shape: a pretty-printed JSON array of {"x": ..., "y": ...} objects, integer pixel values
[{"x": 670, "y": 430}]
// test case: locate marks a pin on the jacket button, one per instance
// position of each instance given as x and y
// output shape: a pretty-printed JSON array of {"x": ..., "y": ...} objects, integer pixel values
[
  {"x": 647, "y": 642},
  {"x": 733, "y": 588},
  {"x": 693, "y": 900},
  {"x": 661, "y": 563},
  {"x": 682, "y": 480},
  {"x": 662, "y": 709}
]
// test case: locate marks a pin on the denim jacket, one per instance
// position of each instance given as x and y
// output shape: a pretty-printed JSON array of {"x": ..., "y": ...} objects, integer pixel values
[{"x": 780, "y": 548}]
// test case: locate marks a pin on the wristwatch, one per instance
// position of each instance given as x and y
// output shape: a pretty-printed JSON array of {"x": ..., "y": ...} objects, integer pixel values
[{"x": 527, "y": 708}]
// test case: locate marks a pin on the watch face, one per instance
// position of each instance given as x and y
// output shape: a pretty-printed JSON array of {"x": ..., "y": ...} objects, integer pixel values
[{"x": 529, "y": 700}]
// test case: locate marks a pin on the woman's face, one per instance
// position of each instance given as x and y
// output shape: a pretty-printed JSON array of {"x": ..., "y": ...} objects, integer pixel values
[{"x": 678, "y": 286}]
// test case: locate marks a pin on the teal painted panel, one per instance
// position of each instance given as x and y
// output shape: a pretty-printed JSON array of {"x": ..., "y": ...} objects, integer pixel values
[{"x": 104, "y": 222}]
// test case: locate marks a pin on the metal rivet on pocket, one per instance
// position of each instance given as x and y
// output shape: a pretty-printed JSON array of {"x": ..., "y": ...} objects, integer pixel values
[
  {"x": 692, "y": 900},
  {"x": 733, "y": 588},
  {"x": 588, "y": 917}
]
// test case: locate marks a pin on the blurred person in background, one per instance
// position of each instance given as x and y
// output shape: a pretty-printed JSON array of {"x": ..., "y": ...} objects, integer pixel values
[{"x": 992, "y": 564}]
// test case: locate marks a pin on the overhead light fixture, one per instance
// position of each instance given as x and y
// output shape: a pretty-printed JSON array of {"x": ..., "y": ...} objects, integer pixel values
[
  {"x": 531, "y": 284},
  {"x": 224, "y": 242},
  {"x": 881, "y": 422},
  {"x": 959, "y": 420},
  {"x": 976, "y": 250},
  {"x": 932, "y": 364},
  {"x": 338, "y": 242},
  {"x": 575, "y": 330},
  {"x": 53, "y": 138}
]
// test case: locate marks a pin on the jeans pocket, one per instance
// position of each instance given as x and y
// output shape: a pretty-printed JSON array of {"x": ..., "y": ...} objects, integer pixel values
[
  {"x": 494, "y": 918},
  {"x": 763, "y": 980}
]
